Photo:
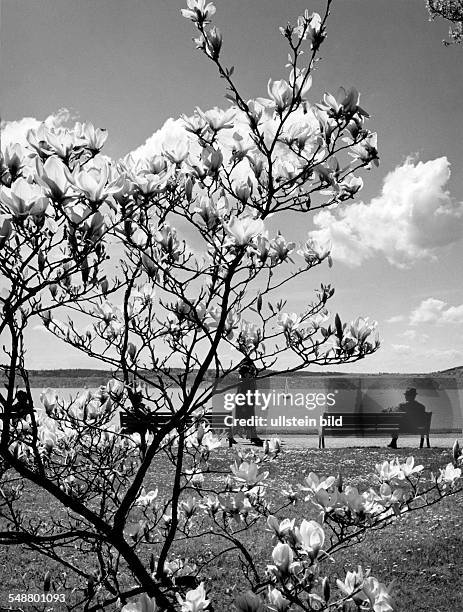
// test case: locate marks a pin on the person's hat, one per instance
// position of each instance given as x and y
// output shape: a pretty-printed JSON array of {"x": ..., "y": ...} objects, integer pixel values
[
  {"x": 247, "y": 368},
  {"x": 410, "y": 391}
]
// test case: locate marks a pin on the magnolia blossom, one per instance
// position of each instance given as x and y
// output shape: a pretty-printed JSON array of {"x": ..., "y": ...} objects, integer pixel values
[
  {"x": 209, "y": 211},
  {"x": 94, "y": 226},
  {"x": 178, "y": 152},
  {"x": 388, "y": 469},
  {"x": 147, "y": 499},
  {"x": 62, "y": 141},
  {"x": 250, "y": 335},
  {"x": 314, "y": 483},
  {"x": 243, "y": 230},
  {"x": 55, "y": 176},
  {"x": 94, "y": 137},
  {"x": 283, "y": 557},
  {"x": 13, "y": 157},
  {"x": 5, "y": 229},
  {"x": 24, "y": 198},
  {"x": 366, "y": 151},
  {"x": 280, "y": 530},
  {"x": 408, "y": 468},
  {"x": 107, "y": 311},
  {"x": 280, "y": 92},
  {"x": 92, "y": 180},
  {"x": 218, "y": 119},
  {"x": 167, "y": 239},
  {"x": 351, "y": 586},
  {"x": 313, "y": 252},
  {"x": 308, "y": 26},
  {"x": 230, "y": 324},
  {"x": 199, "y": 10},
  {"x": 449, "y": 474},
  {"x": 248, "y": 473},
  {"x": 361, "y": 328},
  {"x": 144, "y": 604},
  {"x": 115, "y": 388},
  {"x": 49, "y": 398},
  {"x": 289, "y": 321},
  {"x": 195, "y": 600},
  {"x": 311, "y": 536},
  {"x": 280, "y": 249},
  {"x": 378, "y": 594},
  {"x": 277, "y": 603},
  {"x": 145, "y": 294}
]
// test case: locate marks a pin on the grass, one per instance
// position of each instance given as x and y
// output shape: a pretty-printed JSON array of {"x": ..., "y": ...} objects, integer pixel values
[{"x": 421, "y": 552}]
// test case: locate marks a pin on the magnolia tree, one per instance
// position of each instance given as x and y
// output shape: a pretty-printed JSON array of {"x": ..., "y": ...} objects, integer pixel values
[{"x": 165, "y": 269}]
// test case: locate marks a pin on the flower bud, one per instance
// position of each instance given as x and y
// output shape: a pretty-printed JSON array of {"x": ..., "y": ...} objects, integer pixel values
[
  {"x": 214, "y": 38},
  {"x": 131, "y": 351},
  {"x": 326, "y": 589},
  {"x": 47, "y": 582}
]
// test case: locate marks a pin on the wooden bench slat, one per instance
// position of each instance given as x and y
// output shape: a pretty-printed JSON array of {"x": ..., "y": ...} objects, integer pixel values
[{"x": 371, "y": 423}]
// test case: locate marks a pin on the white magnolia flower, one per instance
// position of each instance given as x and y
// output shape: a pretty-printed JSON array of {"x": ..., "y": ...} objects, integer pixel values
[
  {"x": 146, "y": 499},
  {"x": 283, "y": 557},
  {"x": 310, "y": 536},
  {"x": 361, "y": 328},
  {"x": 449, "y": 474},
  {"x": 195, "y": 600},
  {"x": 248, "y": 473},
  {"x": 314, "y": 483},
  {"x": 289, "y": 321},
  {"x": 280, "y": 529},
  {"x": 93, "y": 181},
  {"x": 24, "y": 198},
  {"x": 199, "y": 10},
  {"x": 144, "y": 604},
  {"x": 218, "y": 119},
  {"x": 277, "y": 603},
  {"x": 280, "y": 93},
  {"x": 314, "y": 252},
  {"x": 94, "y": 137},
  {"x": 55, "y": 176},
  {"x": 49, "y": 398}
]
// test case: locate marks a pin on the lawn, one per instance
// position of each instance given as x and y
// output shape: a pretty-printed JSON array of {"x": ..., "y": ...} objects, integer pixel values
[{"x": 422, "y": 552}]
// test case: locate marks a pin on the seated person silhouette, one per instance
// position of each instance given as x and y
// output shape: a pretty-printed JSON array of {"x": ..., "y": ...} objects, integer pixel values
[{"x": 413, "y": 418}]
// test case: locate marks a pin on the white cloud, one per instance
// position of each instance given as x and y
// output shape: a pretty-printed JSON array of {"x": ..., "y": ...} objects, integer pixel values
[
  {"x": 412, "y": 334},
  {"x": 433, "y": 310},
  {"x": 16, "y": 131},
  {"x": 396, "y": 319},
  {"x": 402, "y": 349},
  {"x": 413, "y": 216}
]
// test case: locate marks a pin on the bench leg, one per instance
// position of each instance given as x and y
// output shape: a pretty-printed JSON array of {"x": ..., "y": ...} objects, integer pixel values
[
  {"x": 427, "y": 441},
  {"x": 321, "y": 441},
  {"x": 421, "y": 441}
]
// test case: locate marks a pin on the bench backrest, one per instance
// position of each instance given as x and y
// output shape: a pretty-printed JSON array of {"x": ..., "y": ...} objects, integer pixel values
[
  {"x": 371, "y": 422},
  {"x": 136, "y": 423}
]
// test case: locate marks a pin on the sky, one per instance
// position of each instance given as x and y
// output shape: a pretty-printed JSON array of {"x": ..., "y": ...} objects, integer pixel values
[{"x": 129, "y": 66}]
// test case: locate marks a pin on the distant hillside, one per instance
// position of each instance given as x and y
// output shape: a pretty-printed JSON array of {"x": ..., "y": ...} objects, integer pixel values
[
  {"x": 451, "y": 372},
  {"x": 94, "y": 378}
]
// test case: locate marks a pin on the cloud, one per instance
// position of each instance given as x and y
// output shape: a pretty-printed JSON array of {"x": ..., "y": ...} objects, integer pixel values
[
  {"x": 16, "y": 131},
  {"x": 402, "y": 349},
  {"x": 412, "y": 218},
  {"x": 396, "y": 319},
  {"x": 436, "y": 311},
  {"x": 412, "y": 334}
]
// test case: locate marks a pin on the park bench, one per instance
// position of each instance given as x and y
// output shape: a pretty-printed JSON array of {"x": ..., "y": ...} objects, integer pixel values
[
  {"x": 372, "y": 424},
  {"x": 142, "y": 423}
]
